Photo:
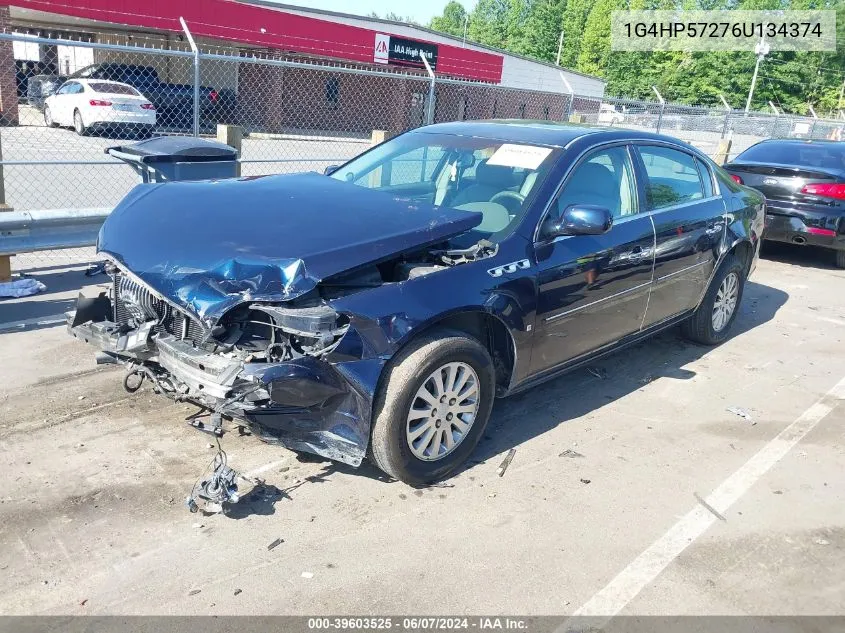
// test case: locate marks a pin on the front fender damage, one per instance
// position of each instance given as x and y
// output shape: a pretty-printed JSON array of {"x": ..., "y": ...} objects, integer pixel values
[{"x": 303, "y": 378}]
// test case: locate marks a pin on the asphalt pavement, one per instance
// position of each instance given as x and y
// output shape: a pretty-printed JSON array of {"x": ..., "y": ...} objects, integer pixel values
[{"x": 636, "y": 493}]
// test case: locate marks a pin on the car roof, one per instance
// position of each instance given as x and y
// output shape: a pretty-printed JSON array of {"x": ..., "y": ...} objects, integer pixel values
[
  {"x": 796, "y": 141},
  {"x": 551, "y": 133}
]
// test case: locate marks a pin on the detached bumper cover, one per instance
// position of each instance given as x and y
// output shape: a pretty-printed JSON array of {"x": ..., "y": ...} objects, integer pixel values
[
  {"x": 305, "y": 404},
  {"x": 817, "y": 227}
]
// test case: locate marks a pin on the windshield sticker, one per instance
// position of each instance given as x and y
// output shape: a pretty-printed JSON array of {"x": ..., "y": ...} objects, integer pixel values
[{"x": 525, "y": 156}]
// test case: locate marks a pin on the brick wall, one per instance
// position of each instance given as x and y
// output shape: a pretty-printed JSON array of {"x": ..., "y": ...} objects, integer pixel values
[{"x": 8, "y": 87}]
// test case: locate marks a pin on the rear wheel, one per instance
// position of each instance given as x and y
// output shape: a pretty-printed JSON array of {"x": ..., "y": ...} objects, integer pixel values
[
  {"x": 79, "y": 124},
  {"x": 432, "y": 407},
  {"x": 710, "y": 324},
  {"x": 840, "y": 259}
]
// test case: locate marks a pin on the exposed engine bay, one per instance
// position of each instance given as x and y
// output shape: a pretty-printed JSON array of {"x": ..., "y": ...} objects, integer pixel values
[{"x": 273, "y": 367}]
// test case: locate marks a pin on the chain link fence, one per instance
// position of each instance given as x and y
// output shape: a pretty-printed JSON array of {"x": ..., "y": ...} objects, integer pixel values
[{"x": 81, "y": 97}]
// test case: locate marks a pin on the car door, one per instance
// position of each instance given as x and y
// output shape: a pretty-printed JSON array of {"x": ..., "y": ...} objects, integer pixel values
[
  {"x": 593, "y": 289},
  {"x": 59, "y": 103},
  {"x": 77, "y": 101},
  {"x": 689, "y": 221}
]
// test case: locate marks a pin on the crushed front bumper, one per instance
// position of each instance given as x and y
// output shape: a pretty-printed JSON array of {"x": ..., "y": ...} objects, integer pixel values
[{"x": 305, "y": 404}]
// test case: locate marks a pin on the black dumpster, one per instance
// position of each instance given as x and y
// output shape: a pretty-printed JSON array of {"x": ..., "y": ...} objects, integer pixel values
[{"x": 166, "y": 158}]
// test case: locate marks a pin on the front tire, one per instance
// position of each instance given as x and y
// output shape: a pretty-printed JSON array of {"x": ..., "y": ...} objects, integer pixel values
[
  {"x": 710, "y": 324},
  {"x": 48, "y": 117},
  {"x": 432, "y": 407},
  {"x": 79, "y": 124},
  {"x": 840, "y": 259}
]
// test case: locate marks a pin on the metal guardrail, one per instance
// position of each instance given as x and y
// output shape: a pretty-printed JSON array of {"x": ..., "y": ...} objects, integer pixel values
[{"x": 49, "y": 229}]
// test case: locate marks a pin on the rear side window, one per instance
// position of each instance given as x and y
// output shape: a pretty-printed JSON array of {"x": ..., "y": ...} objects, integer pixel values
[
  {"x": 809, "y": 154},
  {"x": 113, "y": 89},
  {"x": 673, "y": 177},
  {"x": 706, "y": 178}
]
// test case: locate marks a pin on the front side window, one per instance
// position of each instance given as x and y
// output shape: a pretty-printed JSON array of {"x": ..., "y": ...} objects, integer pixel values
[
  {"x": 486, "y": 176},
  {"x": 673, "y": 177},
  {"x": 603, "y": 179}
]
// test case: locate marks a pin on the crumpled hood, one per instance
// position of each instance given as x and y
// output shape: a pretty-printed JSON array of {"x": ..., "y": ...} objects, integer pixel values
[{"x": 210, "y": 245}]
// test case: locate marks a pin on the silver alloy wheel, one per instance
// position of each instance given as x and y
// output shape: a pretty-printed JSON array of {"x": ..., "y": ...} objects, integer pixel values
[
  {"x": 443, "y": 411},
  {"x": 725, "y": 303},
  {"x": 78, "y": 125}
]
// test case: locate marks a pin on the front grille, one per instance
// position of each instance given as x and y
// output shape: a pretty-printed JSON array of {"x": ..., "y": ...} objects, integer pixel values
[{"x": 134, "y": 305}]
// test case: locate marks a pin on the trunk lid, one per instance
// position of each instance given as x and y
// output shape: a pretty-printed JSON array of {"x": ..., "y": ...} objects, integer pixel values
[
  {"x": 210, "y": 245},
  {"x": 783, "y": 183}
]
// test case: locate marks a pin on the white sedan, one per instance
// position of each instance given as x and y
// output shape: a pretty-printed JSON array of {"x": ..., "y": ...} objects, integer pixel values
[{"x": 92, "y": 104}]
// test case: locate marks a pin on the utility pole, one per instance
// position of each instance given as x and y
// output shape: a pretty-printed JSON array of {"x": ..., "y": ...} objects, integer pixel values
[
  {"x": 560, "y": 48},
  {"x": 761, "y": 50}
]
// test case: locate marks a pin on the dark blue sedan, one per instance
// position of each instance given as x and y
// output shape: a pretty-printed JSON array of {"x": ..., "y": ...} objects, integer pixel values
[{"x": 381, "y": 310}]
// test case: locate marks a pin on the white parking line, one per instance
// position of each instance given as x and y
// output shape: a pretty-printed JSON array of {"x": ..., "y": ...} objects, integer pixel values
[
  {"x": 648, "y": 565},
  {"x": 53, "y": 319}
]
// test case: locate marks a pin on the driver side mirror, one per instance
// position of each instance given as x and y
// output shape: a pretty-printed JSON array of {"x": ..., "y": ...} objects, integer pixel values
[
  {"x": 328, "y": 171},
  {"x": 579, "y": 219}
]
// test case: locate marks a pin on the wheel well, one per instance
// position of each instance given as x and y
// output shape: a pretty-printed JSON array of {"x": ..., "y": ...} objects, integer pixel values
[
  {"x": 744, "y": 252},
  {"x": 492, "y": 334}
]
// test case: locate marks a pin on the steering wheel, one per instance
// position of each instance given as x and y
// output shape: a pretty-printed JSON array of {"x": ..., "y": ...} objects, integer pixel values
[{"x": 511, "y": 200}]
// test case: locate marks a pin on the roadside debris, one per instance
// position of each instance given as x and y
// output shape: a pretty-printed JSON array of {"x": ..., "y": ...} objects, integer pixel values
[
  {"x": 275, "y": 544},
  {"x": 307, "y": 574},
  {"x": 197, "y": 526},
  {"x": 96, "y": 269},
  {"x": 219, "y": 488},
  {"x": 742, "y": 413},
  {"x": 585, "y": 481},
  {"x": 570, "y": 453},
  {"x": 712, "y": 510},
  {"x": 506, "y": 462},
  {"x": 83, "y": 603},
  {"x": 194, "y": 592},
  {"x": 21, "y": 287},
  {"x": 237, "y": 591},
  {"x": 598, "y": 372}
]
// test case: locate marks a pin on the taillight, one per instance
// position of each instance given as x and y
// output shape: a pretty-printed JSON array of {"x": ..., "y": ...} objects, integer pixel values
[
  {"x": 737, "y": 179},
  {"x": 817, "y": 231},
  {"x": 213, "y": 95},
  {"x": 99, "y": 102},
  {"x": 828, "y": 190},
  {"x": 147, "y": 106}
]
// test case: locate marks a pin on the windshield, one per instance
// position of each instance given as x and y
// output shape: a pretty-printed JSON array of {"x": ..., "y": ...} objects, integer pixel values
[
  {"x": 486, "y": 176},
  {"x": 826, "y": 155}
]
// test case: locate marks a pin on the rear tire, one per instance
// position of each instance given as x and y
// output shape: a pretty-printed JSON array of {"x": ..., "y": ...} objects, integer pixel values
[
  {"x": 710, "y": 324},
  {"x": 79, "y": 124},
  {"x": 407, "y": 409},
  {"x": 840, "y": 259}
]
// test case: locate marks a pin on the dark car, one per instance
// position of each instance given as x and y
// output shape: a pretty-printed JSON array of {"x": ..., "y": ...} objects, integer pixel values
[
  {"x": 173, "y": 102},
  {"x": 804, "y": 186},
  {"x": 24, "y": 69},
  {"x": 381, "y": 310}
]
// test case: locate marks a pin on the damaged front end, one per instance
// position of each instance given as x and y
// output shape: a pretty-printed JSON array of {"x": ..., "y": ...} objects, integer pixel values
[{"x": 268, "y": 366}]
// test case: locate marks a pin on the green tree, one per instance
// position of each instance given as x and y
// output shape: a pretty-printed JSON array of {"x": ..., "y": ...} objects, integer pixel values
[
  {"x": 543, "y": 25},
  {"x": 488, "y": 23},
  {"x": 573, "y": 21},
  {"x": 452, "y": 21},
  {"x": 594, "y": 53}
]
